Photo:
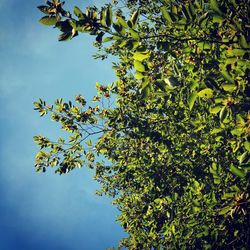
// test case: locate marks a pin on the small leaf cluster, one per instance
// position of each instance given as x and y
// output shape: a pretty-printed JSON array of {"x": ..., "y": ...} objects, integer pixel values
[{"x": 80, "y": 122}]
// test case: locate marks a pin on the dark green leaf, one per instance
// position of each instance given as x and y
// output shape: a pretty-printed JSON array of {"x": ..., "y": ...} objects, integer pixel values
[
  {"x": 65, "y": 36},
  {"x": 99, "y": 37},
  {"x": 244, "y": 157},
  {"x": 44, "y": 9},
  {"x": 214, "y": 6},
  {"x": 227, "y": 76},
  {"x": 134, "y": 18},
  {"x": 108, "y": 16},
  {"x": 240, "y": 173}
]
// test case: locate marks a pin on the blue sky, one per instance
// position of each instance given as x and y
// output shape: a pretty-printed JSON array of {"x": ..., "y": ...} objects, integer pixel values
[{"x": 45, "y": 211}]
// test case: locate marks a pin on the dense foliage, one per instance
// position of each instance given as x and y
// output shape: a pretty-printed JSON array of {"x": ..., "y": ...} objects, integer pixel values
[{"x": 176, "y": 141}]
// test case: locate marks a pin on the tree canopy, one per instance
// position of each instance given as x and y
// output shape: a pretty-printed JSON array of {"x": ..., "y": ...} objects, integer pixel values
[{"x": 174, "y": 149}]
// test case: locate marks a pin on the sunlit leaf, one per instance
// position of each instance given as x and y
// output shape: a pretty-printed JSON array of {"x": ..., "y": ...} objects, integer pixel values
[
  {"x": 228, "y": 87},
  {"x": 78, "y": 12},
  {"x": 140, "y": 56},
  {"x": 138, "y": 75},
  {"x": 139, "y": 66},
  {"x": 206, "y": 93},
  {"x": 122, "y": 22},
  {"x": 48, "y": 20},
  {"x": 166, "y": 14},
  {"x": 134, "y": 34},
  {"x": 215, "y": 110},
  {"x": 247, "y": 145}
]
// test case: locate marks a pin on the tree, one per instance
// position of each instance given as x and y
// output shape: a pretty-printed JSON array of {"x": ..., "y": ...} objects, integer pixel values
[{"x": 176, "y": 143}]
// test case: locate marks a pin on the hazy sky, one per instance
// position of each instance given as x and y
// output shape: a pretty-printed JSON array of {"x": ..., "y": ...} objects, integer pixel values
[{"x": 45, "y": 211}]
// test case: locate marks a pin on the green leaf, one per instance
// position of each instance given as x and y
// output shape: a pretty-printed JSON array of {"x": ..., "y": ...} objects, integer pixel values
[
  {"x": 132, "y": 44},
  {"x": 243, "y": 42},
  {"x": 146, "y": 91},
  {"x": 130, "y": 25},
  {"x": 240, "y": 173},
  {"x": 165, "y": 14},
  {"x": 238, "y": 52},
  {"x": 204, "y": 45},
  {"x": 191, "y": 100},
  {"x": 216, "y": 131},
  {"x": 237, "y": 131},
  {"x": 64, "y": 26},
  {"x": 172, "y": 81},
  {"x": 226, "y": 75},
  {"x": 134, "y": 34},
  {"x": 108, "y": 16},
  {"x": 142, "y": 49},
  {"x": 224, "y": 210},
  {"x": 186, "y": 12},
  {"x": 196, "y": 209},
  {"x": 103, "y": 150},
  {"x": 244, "y": 158},
  {"x": 65, "y": 36},
  {"x": 217, "y": 180},
  {"x": 158, "y": 201},
  {"x": 228, "y": 87},
  {"x": 214, "y": 6},
  {"x": 138, "y": 75},
  {"x": 217, "y": 18},
  {"x": 134, "y": 18},
  {"x": 247, "y": 145},
  {"x": 99, "y": 37},
  {"x": 108, "y": 39},
  {"x": 203, "y": 19},
  {"x": 122, "y": 22},
  {"x": 206, "y": 93},
  {"x": 48, "y": 20},
  {"x": 227, "y": 196},
  {"x": 78, "y": 12},
  {"x": 139, "y": 66},
  {"x": 44, "y": 9},
  {"x": 89, "y": 143},
  {"x": 215, "y": 110},
  {"x": 223, "y": 113},
  {"x": 103, "y": 18},
  {"x": 140, "y": 56},
  {"x": 161, "y": 85},
  {"x": 162, "y": 45},
  {"x": 117, "y": 27}
]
